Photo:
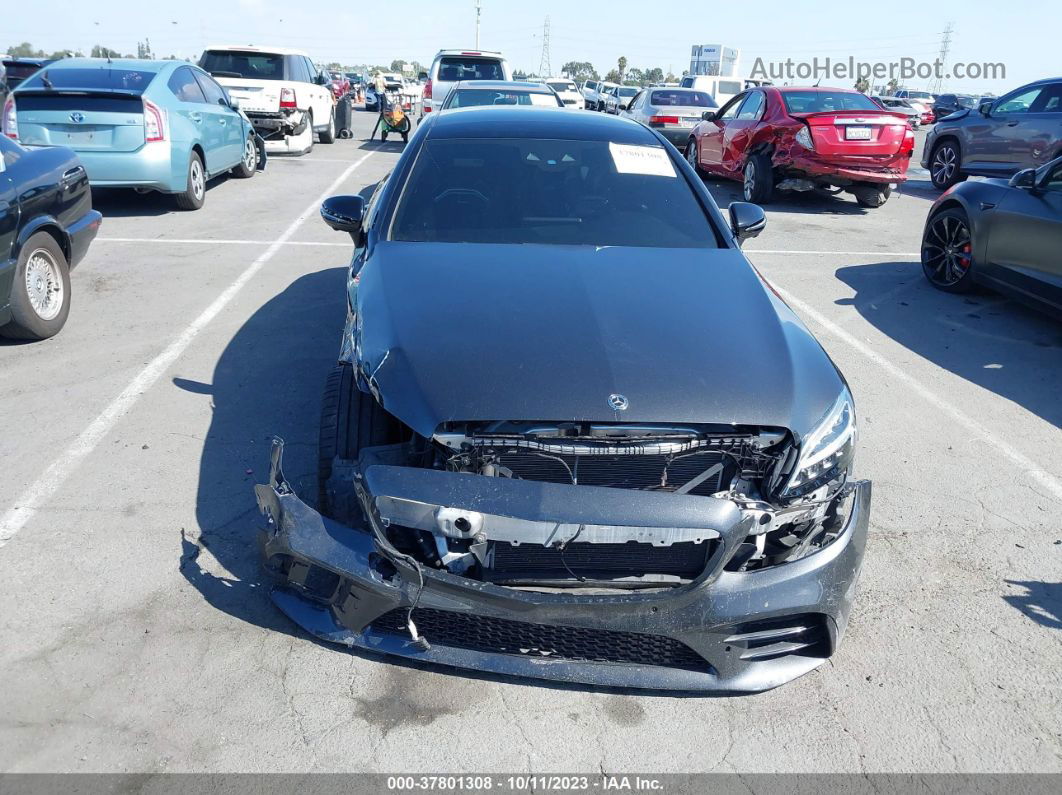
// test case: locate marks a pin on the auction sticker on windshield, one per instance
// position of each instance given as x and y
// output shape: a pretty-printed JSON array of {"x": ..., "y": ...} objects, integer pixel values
[{"x": 649, "y": 160}]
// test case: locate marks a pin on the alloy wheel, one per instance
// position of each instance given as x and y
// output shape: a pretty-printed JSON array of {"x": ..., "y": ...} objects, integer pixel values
[
  {"x": 691, "y": 154},
  {"x": 946, "y": 250},
  {"x": 945, "y": 161},
  {"x": 750, "y": 181},
  {"x": 195, "y": 176},
  {"x": 250, "y": 155},
  {"x": 44, "y": 285}
]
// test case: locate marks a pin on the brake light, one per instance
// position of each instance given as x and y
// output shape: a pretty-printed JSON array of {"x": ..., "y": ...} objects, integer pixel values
[
  {"x": 907, "y": 147},
  {"x": 803, "y": 137},
  {"x": 471, "y": 53},
  {"x": 10, "y": 120},
  {"x": 427, "y": 89},
  {"x": 663, "y": 120},
  {"x": 154, "y": 129},
  {"x": 287, "y": 98}
]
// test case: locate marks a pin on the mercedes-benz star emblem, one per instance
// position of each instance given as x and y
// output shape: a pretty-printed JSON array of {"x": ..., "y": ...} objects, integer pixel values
[
  {"x": 76, "y": 117},
  {"x": 618, "y": 402}
]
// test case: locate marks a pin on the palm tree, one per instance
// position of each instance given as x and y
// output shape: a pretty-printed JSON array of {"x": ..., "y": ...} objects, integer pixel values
[
  {"x": 622, "y": 66},
  {"x": 862, "y": 85}
]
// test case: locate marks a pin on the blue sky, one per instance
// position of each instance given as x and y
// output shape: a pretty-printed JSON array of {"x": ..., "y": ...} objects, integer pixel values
[{"x": 1022, "y": 34}]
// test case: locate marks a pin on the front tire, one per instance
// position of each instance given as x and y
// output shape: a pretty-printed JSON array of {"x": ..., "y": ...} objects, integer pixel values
[
  {"x": 350, "y": 420},
  {"x": 249, "y": 164},
  {"x": 944, "y": 165},
  {"x": 692, "y": 156},
  {"x": 194, "y": 194},
  {"x": 758, "y": 179},
  {"x": 40, "y": 293},
  {"x": 947, "y": 251}
]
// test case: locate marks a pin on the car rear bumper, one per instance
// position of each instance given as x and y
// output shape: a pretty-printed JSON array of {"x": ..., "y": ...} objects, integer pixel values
[
  {"x": 81, "y": 233},
  {"x": 151, "y": 167},
  {"x": 724, "y": 632},
  {"x": 816, "y": 169},
  {"x": 679, "y": 136}
]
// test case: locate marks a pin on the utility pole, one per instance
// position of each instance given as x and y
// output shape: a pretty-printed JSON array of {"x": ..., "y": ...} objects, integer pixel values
[
  {"x": 544, "y": 68},
  {"x": 945, "y": 43},
  {"x": 477, "y": 23}
]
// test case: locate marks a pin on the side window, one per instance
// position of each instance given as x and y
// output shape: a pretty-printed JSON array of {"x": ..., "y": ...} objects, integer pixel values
[
  {"x": 637, "y": 101},
  {"x": 687, "y": 82},
  {"x": 311, "y": 71},
  {"x": 184, "y": 86},
  {"x": 297, "y": 67},
  {"x": 215, "y": 94},
  {"x": 1019, "y": 103},
  {"x": 752, "y": 108},
  {"x": 1050, "y": 100},
  {"x": 1054, "y": 180},
  {"x": 730, "y": 110}
]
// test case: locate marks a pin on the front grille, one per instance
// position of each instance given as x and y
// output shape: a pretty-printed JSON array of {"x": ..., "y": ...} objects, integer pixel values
[
  {"x": 593, "y": 561},
  {"x": 653, "y": 471},
  {"x": 578, "y": 644}
]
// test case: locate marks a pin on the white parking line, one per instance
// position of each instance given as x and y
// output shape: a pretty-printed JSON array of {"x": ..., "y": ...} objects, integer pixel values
[
  {"x": 837, "y": 253},
  {"x": 1030, "y": 467},
  {"x": 209, "y": 241},
  {"x": 31, "y": 500}
]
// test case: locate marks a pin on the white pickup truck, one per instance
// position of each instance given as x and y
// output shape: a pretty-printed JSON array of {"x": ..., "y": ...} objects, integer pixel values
[{"x": 287, "y": 99}]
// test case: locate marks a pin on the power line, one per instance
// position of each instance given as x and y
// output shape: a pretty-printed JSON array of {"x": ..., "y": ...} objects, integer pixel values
[{"x": 544, "y": 69}]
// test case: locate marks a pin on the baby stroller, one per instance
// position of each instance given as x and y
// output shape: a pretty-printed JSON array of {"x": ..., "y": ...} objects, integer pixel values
[{"x": 393, "y": 118}]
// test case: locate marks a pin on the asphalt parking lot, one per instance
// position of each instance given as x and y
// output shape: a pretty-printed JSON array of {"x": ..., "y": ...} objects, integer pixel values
[{"x": 139, "y": 637}]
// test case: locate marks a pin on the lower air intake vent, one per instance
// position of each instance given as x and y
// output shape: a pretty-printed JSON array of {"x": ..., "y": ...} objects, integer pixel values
[{"x": 578, "y": 644}]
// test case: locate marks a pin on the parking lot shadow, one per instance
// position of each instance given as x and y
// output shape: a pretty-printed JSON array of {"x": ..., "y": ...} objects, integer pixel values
[
  {"x": 725, "y": 191},
  {"x": 1042, "y": 602},
  {"x": 267, "y": 382},
  {"x": 127, "y": 203},
  {"x": 987, "y": 339}
]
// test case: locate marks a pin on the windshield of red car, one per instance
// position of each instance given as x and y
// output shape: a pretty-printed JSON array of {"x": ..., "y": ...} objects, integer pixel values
[
  {"x": 825, "y": 101},
  {"x": 547, "y": 191}
]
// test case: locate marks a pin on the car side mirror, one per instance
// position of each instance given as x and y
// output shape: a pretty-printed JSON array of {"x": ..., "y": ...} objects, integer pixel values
[
  {"x": 985, "y": 109},
  {"x": 344, "y": 213},
  {"x": 232, "y": 102},
  {"x": 708, "y": 115},
  {"x": 422, "y": 76},
  {"x": 1026, "y": 178},
  {"x": 747, "y": 220}
]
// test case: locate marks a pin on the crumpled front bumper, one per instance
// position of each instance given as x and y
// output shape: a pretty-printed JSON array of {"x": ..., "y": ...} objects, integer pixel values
[{"x": 725, "y": 632}]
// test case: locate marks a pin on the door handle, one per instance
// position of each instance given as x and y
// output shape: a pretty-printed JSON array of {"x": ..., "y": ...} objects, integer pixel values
[
  {"x": 70, "y": 176},
  {"x": 1012, "y": 124}
]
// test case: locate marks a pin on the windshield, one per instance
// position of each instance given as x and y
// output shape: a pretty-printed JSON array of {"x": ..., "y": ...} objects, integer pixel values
[
  {"x": 588, "y": 193},
  {"x": 91, "y": 79},
  {"x": 561, "y": 86},
  {"x": 698, "y": 99},
  {"x": 249, "y": 65},
  {"x": 454, "y": 68},
  {"x": 477, "y": 97},
  {"x": 628, "y": 92},
  {"x": 826, "y": 101},
  {"x": 966, "y": 102}
]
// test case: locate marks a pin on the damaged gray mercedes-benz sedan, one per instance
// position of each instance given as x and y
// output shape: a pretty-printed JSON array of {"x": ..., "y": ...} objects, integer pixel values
[{"x": 572, "y": 434}]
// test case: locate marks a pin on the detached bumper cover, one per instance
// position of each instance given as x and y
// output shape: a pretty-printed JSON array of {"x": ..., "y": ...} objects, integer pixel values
[
  {"x": 813, "y": 167},
  {"x": 724, "y": 632}
]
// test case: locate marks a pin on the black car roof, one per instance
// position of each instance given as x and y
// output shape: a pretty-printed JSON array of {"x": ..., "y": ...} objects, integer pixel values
[{"x": 534, "y": 122}]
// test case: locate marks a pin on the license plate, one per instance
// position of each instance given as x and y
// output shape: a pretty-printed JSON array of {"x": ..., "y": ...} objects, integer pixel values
[
  {"x": 685, "y": 123},
  {"x": 857, "y": 133}
]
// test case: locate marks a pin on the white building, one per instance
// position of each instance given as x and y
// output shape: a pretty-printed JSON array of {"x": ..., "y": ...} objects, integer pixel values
[{"x": 714, "y": 59}]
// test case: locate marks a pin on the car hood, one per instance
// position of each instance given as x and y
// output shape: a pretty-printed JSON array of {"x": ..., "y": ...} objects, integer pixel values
[
  {"x": 548, "y": 333},
  {"x": 959, "y": 114}
]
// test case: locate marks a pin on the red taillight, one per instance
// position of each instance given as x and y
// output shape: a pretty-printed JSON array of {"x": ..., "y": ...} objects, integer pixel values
[
  {"x": 663, "y": 119},
  {"x": 287, "y": 98},
  {"x": 427, "y": 90},
  {"x": 154, "y": 128},
  {"x": 9, "y": 122},
  {"x": 907, "y": 147}
]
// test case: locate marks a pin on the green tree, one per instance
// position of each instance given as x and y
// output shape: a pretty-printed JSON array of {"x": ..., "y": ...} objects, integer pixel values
[
  {"x": 634, "y": 76},
  {"x": 25, "y": 50},
  {"x": 99, "y": 51},
  {"x": 580, "y": 71},
  {"x": 622, "y": 63},
  {"x": 613, "y": 76},
  {"x": 670, "y": 78},
  {"x": 891, "y": 88},
  {"x": 862, "y": 85},
  {"x": 143, "y": 50},
  {"x": 655, "y": 75},
  {"x": 397, "y": 66}
]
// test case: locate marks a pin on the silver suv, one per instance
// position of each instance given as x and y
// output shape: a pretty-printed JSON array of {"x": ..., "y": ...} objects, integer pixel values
[
  {"x": 453, "y": 66},
  {"x": 1022, "y": 129}
]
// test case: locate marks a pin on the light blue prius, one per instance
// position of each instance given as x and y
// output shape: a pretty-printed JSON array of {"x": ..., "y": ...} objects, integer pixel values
[{"x": 151, "y": 125}]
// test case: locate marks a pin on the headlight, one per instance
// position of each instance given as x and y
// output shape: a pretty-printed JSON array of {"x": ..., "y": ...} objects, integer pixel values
[{"x": 827, "y": 451}]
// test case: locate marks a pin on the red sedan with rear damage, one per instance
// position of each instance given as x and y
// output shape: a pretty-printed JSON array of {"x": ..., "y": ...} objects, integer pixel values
[{"x": 781, "y": 138}]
